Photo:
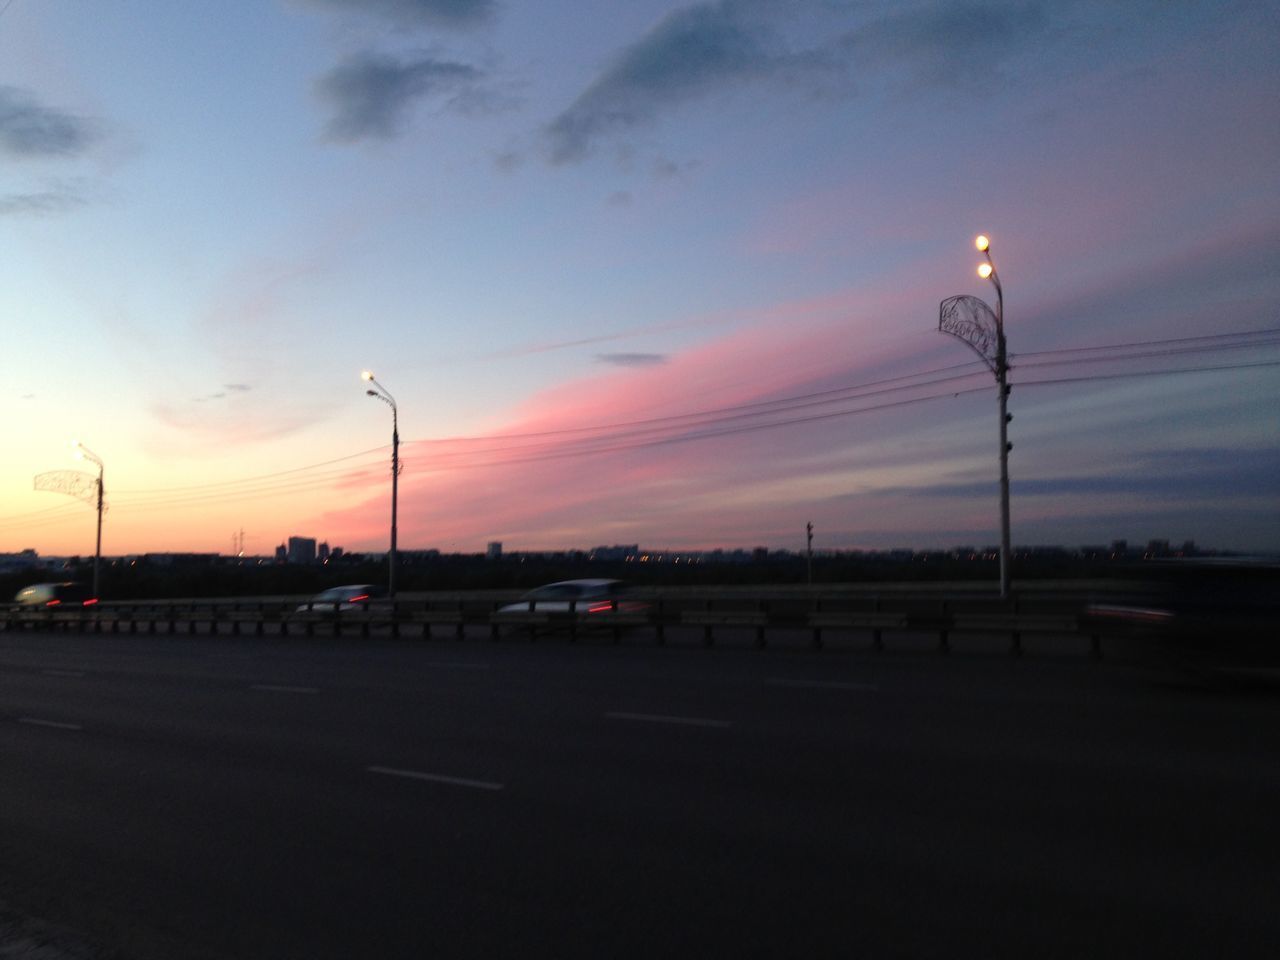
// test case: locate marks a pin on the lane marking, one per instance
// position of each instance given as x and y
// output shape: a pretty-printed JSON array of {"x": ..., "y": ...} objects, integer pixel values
[
  {"x": 277, "y": 688},
  {"x": 34, "y": 722},
  {"x": 679, "y": 721},
  {"x": 436, "y": 778},
  {"x": 74, "y": 674},
  {"x": 823, "y": 685}
]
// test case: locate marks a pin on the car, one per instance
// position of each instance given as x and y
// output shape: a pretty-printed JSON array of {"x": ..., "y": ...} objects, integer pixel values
[
  {"x": 590, "y": 601},
  {"x": 353, "y": 596},
  {"x": 1208, "y": 615},
  {"x": 67, "y": 593}
]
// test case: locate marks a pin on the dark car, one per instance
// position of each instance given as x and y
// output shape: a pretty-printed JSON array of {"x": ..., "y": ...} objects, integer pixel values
[
  {"x": 68, "y": 594},
  {"x": 1207, "y": 614}
]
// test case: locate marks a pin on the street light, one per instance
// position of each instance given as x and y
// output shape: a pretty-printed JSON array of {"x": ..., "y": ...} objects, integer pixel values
[
  {"x": 84, "y": 453},
  {"x": 971, "y": 320},
  {"x": 381, "y": 393}
]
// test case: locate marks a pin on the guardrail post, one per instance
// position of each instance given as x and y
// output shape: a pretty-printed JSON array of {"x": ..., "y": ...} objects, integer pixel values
[
  {"x": 1015, "y": 648},
  {"x": 706, "y": 629},
  {"x": 762, "y": 608},
  {"x": 661, "y": 623}
]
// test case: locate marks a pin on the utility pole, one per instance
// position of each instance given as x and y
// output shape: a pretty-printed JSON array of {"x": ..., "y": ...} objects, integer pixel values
[{"x": 808, "y": 529}]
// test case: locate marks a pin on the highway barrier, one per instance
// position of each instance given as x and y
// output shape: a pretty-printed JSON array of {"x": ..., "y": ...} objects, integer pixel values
[{"x": 818, "y": 614}]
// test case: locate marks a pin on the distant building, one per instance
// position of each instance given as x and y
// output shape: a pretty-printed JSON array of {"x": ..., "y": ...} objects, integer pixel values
[
  {"x": 322, "y": 553},
  {"x": 494, "y": 550},
  {"x": 301, "y": 550},
  {"x": 180, "y": 559},
  {"x": 282, "y": 555},
  {"x": 18, "y": 561},
  {"x": 628, "y": 551}
]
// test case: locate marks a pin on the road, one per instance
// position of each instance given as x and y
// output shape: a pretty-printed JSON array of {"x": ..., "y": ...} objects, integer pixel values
[{"x": 243, "y": 798}]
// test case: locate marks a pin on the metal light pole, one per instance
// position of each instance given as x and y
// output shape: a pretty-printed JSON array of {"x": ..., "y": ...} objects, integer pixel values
[
  {"x": 971, "y": 320},
  {"x": 384, "y": 395},
  {"x": 84, "y": 453}
]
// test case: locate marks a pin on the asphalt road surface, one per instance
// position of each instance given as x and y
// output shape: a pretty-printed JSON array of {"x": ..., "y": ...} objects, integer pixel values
[{"x": 243, "y": 798}]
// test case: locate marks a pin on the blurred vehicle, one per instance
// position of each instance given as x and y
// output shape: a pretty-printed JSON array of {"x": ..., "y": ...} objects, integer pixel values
[
  {"x": 590, "y": 597},
  {"x": 353, "y": 596},
  {"x": 1216, "y": 614},
  {"x": 68, "y": 594}
]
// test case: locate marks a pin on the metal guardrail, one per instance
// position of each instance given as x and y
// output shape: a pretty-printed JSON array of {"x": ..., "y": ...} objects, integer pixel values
[{"x": 817, "y": 612}]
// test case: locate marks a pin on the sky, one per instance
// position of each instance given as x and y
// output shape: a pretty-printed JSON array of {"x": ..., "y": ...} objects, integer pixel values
[{"x": 665, "y": 273}]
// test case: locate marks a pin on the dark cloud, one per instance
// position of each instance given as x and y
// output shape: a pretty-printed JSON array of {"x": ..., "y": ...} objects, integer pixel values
[
  {"x": 720, "y": 45},
  {"x": 369, "y": 94},
  {"x": 690, "y": 53},
  {"x": 954, "y": 44},
  {"x": 45, "y": 203},
  {"x": 508, "y": 160},
  {"x": 28, "y": 129},
  {"x": 227, "y": 388},
  {"x": 417, "y": 13},
  {"x": 632, "y": 359}
]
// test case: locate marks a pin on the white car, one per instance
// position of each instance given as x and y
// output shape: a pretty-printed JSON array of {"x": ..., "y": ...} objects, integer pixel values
[
  {"x": 353, "y": 596},
  {"x": 587, "y": 598}
]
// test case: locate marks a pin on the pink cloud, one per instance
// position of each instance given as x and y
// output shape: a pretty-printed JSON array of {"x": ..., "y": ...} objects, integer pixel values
[{"x": 616, "y": 455}]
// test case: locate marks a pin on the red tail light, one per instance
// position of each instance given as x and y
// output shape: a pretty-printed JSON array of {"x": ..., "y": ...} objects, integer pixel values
[
  {"x": 90, "y": 603},
  {"x": 364, "y": 596},
  {"x": 603, "y": 606},
  {"x": 52, "y": 603}
]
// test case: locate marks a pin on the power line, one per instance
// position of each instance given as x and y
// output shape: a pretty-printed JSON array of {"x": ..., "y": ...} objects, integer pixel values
[
  {"x": 1148, "y": 373},
  {"x": 1207, "y": 337},
  {"x": 657, "y": 431}
]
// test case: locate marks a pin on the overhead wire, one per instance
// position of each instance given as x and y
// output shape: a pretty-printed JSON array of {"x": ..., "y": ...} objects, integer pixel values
[{"x": 684, "y": 428}]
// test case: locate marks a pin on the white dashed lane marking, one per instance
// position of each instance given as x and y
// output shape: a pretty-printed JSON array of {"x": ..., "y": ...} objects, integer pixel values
[
  {"x": 436, "y": 778},
  {"x": 55, "y": 724}
]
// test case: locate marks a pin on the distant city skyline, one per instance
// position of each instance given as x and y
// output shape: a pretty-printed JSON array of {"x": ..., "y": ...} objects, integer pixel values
[{"x": 669, "y": 274}]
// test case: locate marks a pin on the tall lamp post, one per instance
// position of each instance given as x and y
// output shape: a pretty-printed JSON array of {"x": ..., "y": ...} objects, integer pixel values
[
  {"x": 381, "y": 393},
  {"x": 84, "y": 453},
  {"x": 971, "y": 320}
]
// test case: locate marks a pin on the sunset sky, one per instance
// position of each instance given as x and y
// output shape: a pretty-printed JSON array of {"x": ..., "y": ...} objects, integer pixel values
[{"x": 649, "y": 272}]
